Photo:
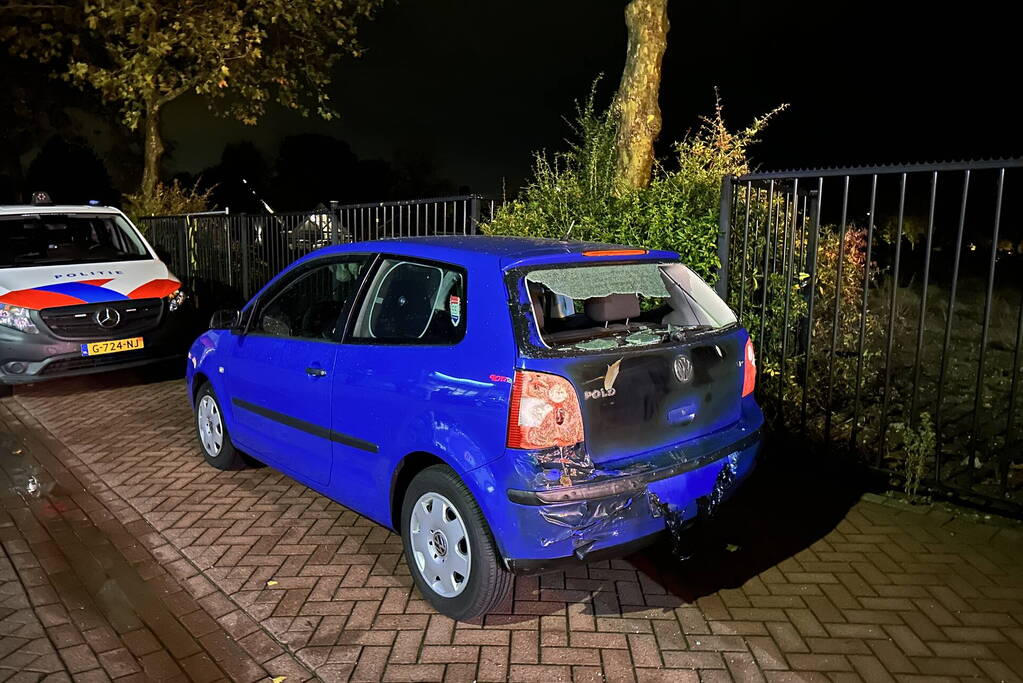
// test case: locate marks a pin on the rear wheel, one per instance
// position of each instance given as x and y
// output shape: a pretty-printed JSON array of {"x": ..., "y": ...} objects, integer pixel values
[
  {"x": 448, "y": 547},
  {"x": 214, "y": 440}
]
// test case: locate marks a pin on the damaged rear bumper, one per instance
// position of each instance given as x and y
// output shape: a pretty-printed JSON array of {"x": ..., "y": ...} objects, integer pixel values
[
  {"x": 628, "y": 484},
  {"x": 610, "y": 511}
]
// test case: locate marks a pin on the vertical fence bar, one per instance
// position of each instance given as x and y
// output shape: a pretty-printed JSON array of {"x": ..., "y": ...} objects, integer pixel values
[
  {"x": 811, "y": 256},
  {"x": 939, "y": 440},
  {"x": 745, "y": 244},
  {"x": 335, "y": 218},
  {"x": 475, "y": 201},
  {"x": 921, "y": 323},
  {"x": 830, "y": 406},
  {"x": 789, "y": 254},
  {"x": 802, "y": 235},
  {"x": 767, "y": 255},
  {"x": 863, "y": 312},
  {"x": 724, "y": 234},
  {"x": 985, "y": 328},
  {"x": 243, "y": 239},
  {"x": 885, "y": 403},
  {"x": 230, "y": 263}
]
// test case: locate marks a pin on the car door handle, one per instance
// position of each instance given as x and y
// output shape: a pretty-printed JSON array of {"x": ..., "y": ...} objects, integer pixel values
[{"x": 316, "y": 372}]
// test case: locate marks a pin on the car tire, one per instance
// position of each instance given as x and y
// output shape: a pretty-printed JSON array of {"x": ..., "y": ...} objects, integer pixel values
[
  {"x": 438, "y": 501},
  {"x": 211, "y": 431}
]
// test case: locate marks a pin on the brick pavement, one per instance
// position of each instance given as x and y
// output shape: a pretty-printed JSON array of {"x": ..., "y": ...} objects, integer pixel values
[{"x": 799, "y": 583}]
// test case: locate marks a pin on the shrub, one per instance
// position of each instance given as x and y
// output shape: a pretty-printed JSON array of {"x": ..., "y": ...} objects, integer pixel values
[
  {"x": 917, "y": 451},
  {"x": 574, "y": 194},
  {"x": 168, "y": 200}
]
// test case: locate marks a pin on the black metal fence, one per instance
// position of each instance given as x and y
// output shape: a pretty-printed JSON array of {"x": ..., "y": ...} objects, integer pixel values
[
  {"x": 224, "y": 259},
  {"x": 887, "y": 308}
]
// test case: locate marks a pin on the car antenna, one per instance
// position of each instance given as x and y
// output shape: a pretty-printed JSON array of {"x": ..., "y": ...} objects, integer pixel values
[{"x": 258, "y": 198}]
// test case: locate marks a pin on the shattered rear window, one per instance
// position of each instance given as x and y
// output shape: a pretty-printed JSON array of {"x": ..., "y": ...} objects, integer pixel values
[{"x": 608, "y": 306}]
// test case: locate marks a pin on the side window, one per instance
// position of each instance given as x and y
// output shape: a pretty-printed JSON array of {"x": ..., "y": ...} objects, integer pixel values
[
  {"x": 414, "y": 303},
  {"x": 310, "y": 306}
]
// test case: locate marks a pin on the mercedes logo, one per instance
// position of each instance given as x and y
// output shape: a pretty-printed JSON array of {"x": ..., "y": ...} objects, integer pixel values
[
  {"x": 107, "y": 317},
  {"x": 683, "y": 367}
]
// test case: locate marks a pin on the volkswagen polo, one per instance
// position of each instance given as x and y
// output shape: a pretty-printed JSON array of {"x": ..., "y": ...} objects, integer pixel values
[{"x": 507, "y": 405}]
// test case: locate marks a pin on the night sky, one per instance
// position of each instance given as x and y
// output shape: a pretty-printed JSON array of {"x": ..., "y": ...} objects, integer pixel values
[{"x": 477, "y": 86}]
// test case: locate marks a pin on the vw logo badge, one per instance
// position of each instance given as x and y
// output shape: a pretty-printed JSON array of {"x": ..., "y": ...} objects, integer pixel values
[
  {"x": 683, "y": 367},
  {"x": 107, "y": 317}
]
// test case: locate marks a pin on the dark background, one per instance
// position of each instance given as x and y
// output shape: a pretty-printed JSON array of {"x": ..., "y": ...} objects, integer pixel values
[{"x": 454, "y": 96}]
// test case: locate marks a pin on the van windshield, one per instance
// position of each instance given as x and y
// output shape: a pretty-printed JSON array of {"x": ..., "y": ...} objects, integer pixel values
[
  {"x": 63, "y": 239},
  {"x": 612, "y": 306}
]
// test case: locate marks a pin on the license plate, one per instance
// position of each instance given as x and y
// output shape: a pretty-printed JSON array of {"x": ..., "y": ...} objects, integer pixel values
[{"x": 112, "y": 346}]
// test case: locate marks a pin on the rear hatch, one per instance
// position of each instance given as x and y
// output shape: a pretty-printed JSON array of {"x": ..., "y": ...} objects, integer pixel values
[
  {"x": 640, "y": 400},
  {"x": 656, "y": 357}
]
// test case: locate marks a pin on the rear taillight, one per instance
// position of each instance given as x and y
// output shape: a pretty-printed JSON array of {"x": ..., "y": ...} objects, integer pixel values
[
  {"x": 544, "y": 412},
  {"x": 749, "y": 374}
]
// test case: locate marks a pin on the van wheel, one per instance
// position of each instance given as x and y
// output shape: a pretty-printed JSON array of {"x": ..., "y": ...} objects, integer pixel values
[
  {"x": 448, "y": 546},
  {"x": 212, "y": 432}
]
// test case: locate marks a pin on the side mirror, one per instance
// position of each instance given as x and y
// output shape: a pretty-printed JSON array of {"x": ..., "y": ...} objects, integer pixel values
[{"x": 226, "y": 319}]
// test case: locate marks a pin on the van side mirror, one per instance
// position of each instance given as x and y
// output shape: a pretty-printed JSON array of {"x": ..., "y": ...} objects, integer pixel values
[{"x": 226, "y": 319}]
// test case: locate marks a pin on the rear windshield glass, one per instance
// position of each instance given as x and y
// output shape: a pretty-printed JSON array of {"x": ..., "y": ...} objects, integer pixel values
[
  {"x": 612, "y": 306},
  {"x": 62, "y": 239}
]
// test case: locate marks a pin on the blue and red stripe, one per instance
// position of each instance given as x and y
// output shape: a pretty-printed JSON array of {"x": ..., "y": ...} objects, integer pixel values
[{"x": 85, "y": 292}]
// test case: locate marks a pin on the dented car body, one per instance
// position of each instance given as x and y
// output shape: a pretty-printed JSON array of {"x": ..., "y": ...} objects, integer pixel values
[{"x": 578, "y": 398}]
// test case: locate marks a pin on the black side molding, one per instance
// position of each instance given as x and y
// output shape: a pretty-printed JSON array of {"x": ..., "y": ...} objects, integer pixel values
[{"x": 307, "y": 427}]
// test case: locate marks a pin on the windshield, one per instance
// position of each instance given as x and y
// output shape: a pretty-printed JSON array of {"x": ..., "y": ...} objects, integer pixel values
[
  {"x": 62, "y": 239},
  {"x": 612, "y": 306}
]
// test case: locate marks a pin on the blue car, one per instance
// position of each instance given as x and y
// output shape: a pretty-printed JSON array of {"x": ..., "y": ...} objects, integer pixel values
[{"x": 507, "y": 405}]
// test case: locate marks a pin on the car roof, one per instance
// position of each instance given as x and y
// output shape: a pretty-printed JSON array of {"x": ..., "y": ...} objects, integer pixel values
[
  {"x": 504, "y": 252},
  {"x": 31, "y": 209}
]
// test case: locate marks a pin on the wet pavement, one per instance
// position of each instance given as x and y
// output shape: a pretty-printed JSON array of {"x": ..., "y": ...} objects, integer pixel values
[
  {"x": 124, "y": 555},
  {"x": 85, "y": 590}
]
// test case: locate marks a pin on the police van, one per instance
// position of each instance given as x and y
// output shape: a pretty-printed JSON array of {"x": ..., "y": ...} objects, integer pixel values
[{"x": 81, "y": 291}]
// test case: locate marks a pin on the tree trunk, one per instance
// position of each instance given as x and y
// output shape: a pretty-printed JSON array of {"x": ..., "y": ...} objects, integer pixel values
[
  {"x": 639, "y": 112},
  {"x": 153, "y": 151}
]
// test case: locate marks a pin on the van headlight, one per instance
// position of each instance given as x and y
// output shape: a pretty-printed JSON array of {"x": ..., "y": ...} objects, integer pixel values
[
  {"x": 175, "y": 299},
  {"x": 18, "y": 318}
]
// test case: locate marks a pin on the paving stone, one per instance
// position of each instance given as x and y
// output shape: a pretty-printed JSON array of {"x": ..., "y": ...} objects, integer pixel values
[{"x": 880, "y": 594}]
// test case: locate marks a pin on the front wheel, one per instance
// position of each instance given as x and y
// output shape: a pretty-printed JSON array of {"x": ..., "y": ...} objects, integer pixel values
[
  {"x": 452, "y": 557},
  {"x": 216, "y": 443}
]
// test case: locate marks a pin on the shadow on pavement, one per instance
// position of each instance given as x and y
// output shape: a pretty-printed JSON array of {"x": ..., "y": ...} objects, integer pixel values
[
  {"x": 792, "y": 499},
  {"x": 145, "y": 374}
]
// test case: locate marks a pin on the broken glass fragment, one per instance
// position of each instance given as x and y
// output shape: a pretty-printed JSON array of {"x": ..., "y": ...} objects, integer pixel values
[
  {"x": 597, "y": 344},
  {"x": 643, "y": 337}
]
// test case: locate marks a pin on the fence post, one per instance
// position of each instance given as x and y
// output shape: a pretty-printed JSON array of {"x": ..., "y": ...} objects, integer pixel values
[
  {"x": 475, "y": 202},
  {"x": 183, "y": 251},
  {"x": 724, "y": 234},
  {"x": 335, "y": 218},
  {"x": 243, "y": 228}
]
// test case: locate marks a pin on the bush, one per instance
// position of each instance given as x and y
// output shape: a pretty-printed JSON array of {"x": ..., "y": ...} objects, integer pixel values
[
  {"x": 574, "y": 194},
  {"x": 168, "y": 200}
]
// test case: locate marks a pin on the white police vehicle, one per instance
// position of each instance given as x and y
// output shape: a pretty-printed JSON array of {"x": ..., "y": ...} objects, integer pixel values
[{"x": 81, "y": 291}]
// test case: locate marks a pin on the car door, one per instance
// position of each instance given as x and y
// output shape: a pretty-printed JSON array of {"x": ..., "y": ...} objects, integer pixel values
[
  {"x": 279, "y": 375},
  {"x": 397, "y": 370}
]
